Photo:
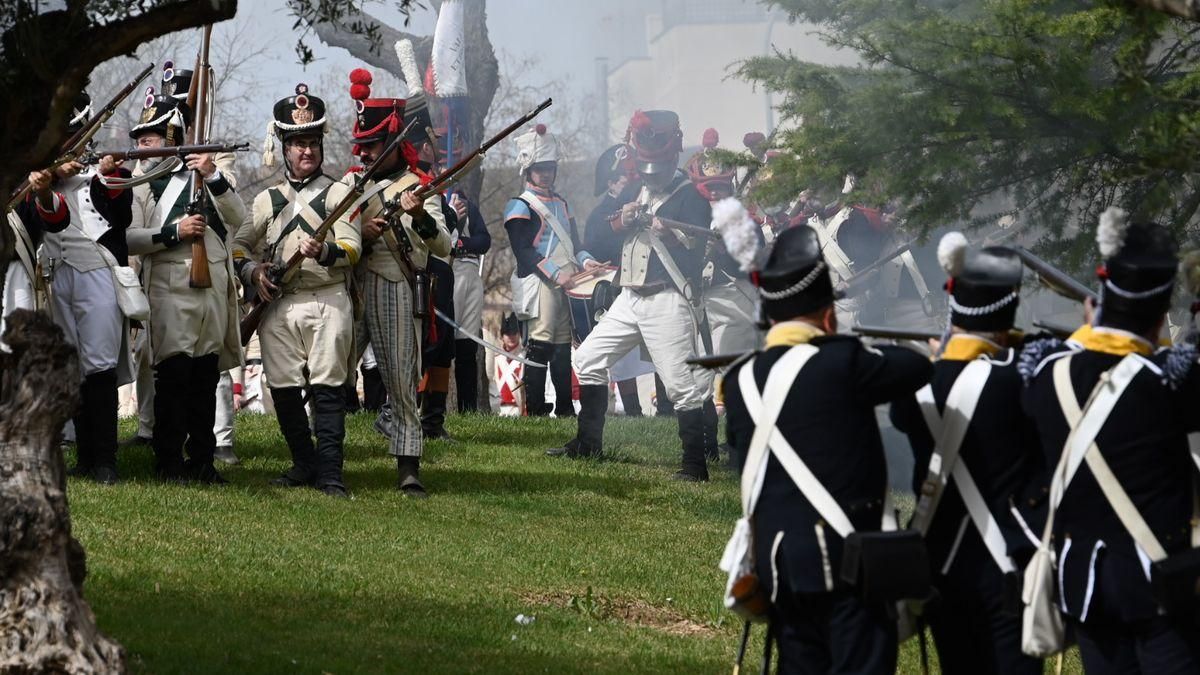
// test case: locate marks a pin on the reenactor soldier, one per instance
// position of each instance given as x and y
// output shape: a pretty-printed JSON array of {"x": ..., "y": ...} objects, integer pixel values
[
  {"x": 396, "y": 259},
  {"x": 307, "y": 334},
  {"x": 78, "y": 261},
  {"x": 41, "y": 211},
  {"x": 547, "y": 246},
  {"x": 970, "y": 482},
  {"x": 821, "y": 390},
  {"x": 1114, "y": 411},
  {"x": 472, "y": 242},
  {"x": 192, "y": 332},
  {"x": 660, "y": 301}
]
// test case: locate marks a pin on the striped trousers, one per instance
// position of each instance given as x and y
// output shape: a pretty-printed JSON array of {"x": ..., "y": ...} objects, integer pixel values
[{"x": 395, "y": 338}]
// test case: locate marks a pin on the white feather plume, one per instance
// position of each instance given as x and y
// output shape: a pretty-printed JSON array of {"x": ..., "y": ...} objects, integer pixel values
[
  {"x": 1110, "y": 235},
  {"x": 738, "y": 231},
  {"x": 952, "y": 252},
  {"x": 408, "y": 66}
]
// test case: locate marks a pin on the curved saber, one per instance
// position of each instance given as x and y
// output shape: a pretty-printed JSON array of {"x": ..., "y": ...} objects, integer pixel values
[{"x": 487, "y": 345}]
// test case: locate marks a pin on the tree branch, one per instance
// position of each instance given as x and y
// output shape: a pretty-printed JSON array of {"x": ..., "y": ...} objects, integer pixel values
[
  {"x": 1187, "y": 9},
  {"x": 339, "y": 35}
]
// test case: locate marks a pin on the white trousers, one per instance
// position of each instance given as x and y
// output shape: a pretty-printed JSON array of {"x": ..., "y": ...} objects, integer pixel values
[
  {"x": 664, "y": 323},
  {"x": 731, "y": 316},
  {"x": 18, "y": 294},
  {"x": 223, "y": 426},
  {"x": 468, "y": 296},
  {"x": 85, "y": 307}
]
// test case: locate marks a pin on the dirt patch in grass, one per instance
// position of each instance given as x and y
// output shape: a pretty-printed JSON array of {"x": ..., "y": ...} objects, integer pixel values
[{"x": 627, "y": 610}]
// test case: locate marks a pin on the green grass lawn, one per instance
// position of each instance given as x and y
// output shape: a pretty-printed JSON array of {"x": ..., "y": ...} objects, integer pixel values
[{"x": 616, "y": 563}]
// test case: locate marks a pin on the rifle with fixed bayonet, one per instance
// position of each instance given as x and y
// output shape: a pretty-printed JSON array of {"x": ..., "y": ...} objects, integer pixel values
[
  {"x": 1055, "y": 279},
  {"x": 197, "y": 102},
  {"x": 75, "y": 146},
  {"x": 279, "y": 275}
]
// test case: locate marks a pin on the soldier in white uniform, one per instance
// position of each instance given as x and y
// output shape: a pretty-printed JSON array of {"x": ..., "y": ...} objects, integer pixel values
[
  {"x": 659, "y": 305},
  {"x": 192, "y": 332},
  {"x": 309, "y": 329},
  {"x": 395, "y": 262},
  {"x": 42, "y": 210},
  {"x": 79, "y": 262}
]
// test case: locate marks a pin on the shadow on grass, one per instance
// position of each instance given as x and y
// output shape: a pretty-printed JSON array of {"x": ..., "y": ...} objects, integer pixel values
[{"x": 313, "y": 632}]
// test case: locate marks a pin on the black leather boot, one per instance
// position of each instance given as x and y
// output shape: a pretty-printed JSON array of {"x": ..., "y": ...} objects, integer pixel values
[
  {"x": 433, "y": 415},
  {"x": 535, "y": 378},
  {"x": 374, "y": 393},
  {"x": 201, "y": 416},
  {"x": 330, "y": 426},
  {"x": 85, "y": 457},
  {"x": 712, "y": 443},
  {"x": 466, "y": 375},
  {"x": 589, "y": 437},
  {"x": 560, "y": 374},
  {"x": 691, "y": 433},
  {"x": 293, "y": 423},
  {"x": 663, "y": 405},
  {"x": 629, "y": 397},
  {"x": 101, "y": 411},
  {"x": 408, "y": 479},
  {"x": 171, "y": 403}
]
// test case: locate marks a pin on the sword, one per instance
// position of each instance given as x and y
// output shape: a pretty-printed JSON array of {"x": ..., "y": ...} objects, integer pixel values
[{"x": 486, "y": 345}]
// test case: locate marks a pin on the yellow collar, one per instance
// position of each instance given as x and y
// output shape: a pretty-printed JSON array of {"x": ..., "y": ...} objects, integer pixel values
[
  {"x": 966, "y": 347},
  {"x": 791, "y": 333},
  {"x": 1111, "y": 341}
]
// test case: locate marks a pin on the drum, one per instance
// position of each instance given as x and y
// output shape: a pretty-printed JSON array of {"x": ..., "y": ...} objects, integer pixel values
[{"x": 588, "y": 300}]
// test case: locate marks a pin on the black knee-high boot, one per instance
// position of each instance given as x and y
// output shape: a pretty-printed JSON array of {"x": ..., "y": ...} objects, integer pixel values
[
  {"x": 628, "y": 390},
  {"x": 466, "y": 375},
  {"x": 589, "y": 437},
  {"x": 329, "y": 423},
  {"x": 171, "y": 402},
  {"x": 101, "y": 411},
  {"x": 293, "y": 423},
  {"x": 711, "y": 443},
  {"x": 691, "y": 433},
  {"x": 560, "y": 373},
  {"x": 201, "y": 416},
  {"x": 374, "y": 393},
  {"x": 663, "y": 405},
  {"x": 535, "y": 378}
]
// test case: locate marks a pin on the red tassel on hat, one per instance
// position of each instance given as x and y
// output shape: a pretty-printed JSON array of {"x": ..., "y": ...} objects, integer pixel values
[
  {"x": 1102, "y": 272},
  {"x": 360, "y": 76},
  {"x": 640, "y": 121},
  {"x": 360, "y": 80},
  {"x": 540, "y": 129},
  {"x": 753, "y": 139},
  {"x": 711, "y": 138}
]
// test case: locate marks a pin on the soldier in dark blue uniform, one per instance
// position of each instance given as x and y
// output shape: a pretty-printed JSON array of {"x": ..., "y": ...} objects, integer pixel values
[
  {"x": 828, "y": 416},
  {"x": 1106, "y": 579},
  {"x": 975, "y": 552}
]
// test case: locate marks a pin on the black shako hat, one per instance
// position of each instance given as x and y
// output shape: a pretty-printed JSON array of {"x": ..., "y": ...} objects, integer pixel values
[
  {"x": 984, "y": 285},
  {"x": 1140, "y": 263},
  {"x": 792, "y": 276},
  {"x": 299, "y": 114}
]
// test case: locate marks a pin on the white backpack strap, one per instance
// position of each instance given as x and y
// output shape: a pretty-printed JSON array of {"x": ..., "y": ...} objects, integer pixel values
[
  {"x": 779, "y": 382},
  {"x": 548, "y": 218},
  {"x": 982, "y": 518},
  {"x": 1081, "y": 445},
  {"x": 948, "y": 432},
  {"x": 809, "y": 486}
]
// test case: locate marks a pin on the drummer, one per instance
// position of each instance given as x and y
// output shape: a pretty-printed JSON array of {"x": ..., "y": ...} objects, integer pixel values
[{"x": 545, "y": 242}]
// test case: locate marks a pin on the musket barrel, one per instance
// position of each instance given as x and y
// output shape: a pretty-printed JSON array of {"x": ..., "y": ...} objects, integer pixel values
[
  {"x": 1058, "y": 281},
  {"x": 890, "y": 333}
]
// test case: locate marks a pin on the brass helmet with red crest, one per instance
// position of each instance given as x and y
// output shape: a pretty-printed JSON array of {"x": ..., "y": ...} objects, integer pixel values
[{"x": 656, "y": 140}]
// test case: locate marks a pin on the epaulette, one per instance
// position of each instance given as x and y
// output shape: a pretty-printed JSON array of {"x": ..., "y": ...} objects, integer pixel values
[
  {"x": 1033, "y": 353},
  {"x": 1181, "y": 358}
]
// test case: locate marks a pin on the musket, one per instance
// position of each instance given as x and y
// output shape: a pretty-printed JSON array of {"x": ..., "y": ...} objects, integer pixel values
[
  {"x": 859, "y": 276},
  {"x": 896, "y": 333},
  {"x": 644, "y": 217},
  {"x": 715, "y": 361},
  {"x": 197, "y": 101},
  {"x": 1055, "y": 279},
  {"x": 135, "y": 154},
  {"x": 280, "y": 275},
  {"x": 74, "y": 146}
]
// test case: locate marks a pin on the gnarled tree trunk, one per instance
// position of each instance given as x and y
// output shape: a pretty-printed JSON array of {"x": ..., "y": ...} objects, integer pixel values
[{"x": 45, "y": 624}]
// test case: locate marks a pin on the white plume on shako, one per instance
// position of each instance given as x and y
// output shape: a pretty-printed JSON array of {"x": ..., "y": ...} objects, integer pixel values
[{"x": 738, "y": 231}]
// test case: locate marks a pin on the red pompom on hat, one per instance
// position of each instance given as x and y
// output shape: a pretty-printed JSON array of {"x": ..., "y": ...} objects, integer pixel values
[
  {"x": 640, "y": 120},
  {"x": 540, "y": 129},
  {"x": 711, "y": 138},
  {"x": 360, "y": 80}
]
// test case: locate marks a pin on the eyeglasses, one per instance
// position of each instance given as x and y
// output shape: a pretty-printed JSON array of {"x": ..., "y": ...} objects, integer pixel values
[{"x": 304, "y": 145}]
